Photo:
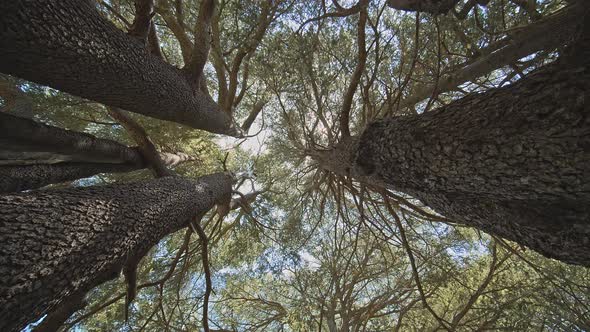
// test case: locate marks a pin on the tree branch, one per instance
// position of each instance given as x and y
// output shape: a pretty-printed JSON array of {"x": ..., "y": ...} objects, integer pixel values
[
  {"x": 202, "y": 42},
  {"x": 115, "y": 71},
  {"x": 141, "y": 23},
  {"x": 205, "y": 257},
  {"x": 20, "y": 134},
  {"x": 433, "y": 7},
  {"x": 146, "y": 146},
  {"x": 406, "y": 245},
  {"x": 546, "y": 34},
  {"x": 256, "y": 110},
  {"x": 358, "y": 72}
]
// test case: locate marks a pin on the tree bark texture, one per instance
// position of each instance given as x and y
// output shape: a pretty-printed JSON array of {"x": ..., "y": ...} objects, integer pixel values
[
  {"x": 15, "y": 178},
  {"x": 68, "y": 45},
  {"x": 33, "y": 155},
  {"x": 57, "y": 244},
  {"x": 513, "y": 161}
]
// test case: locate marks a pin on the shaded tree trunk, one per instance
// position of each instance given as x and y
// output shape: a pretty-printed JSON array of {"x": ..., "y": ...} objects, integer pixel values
[
  {"x": 58, "y": 244},
  {"x": 21, "y": 135},
  {"x": 33, "y": 155},
  {"x": 513, "y": 161},
  {"x": 25, "y": 177},
  {"x": 68, "y": 45}
]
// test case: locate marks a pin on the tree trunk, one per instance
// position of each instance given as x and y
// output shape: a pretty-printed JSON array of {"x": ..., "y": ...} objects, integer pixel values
[
  {"x": 33, "y": 155},
  {"x": 20, "y": 135},
  {"x": 513, "y": 161},
  {"x": 57, "y": 244},
  {"x": 68, "y": 45},
  {"x": 26, "y": 177}
]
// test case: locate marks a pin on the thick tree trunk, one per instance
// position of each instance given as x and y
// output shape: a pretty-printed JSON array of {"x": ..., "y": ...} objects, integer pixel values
[
  {"x": 33, "y": 155},
  {"x": 57, "y": 244},
  {"x": 25, "y": 177},
  {"x": 20, "y": 135},
  {"x": 67, "y": 45},
  {"x": 513, "y": 161}
]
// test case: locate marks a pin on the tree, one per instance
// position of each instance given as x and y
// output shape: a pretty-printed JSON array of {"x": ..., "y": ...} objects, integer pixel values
[
  {"x": 498, "y": 161},
  {"x": 384, "y": 134},
  {"x": 116, "y": 69},
  {"x": 35, "y": 155},
  {"x": 457, "y": 175},
  {"x": 100, "y": 230}
]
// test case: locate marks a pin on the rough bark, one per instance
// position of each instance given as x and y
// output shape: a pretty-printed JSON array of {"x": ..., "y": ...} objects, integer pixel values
[
  {"x": 15, "y": 178},
  {"x": 67, "y": 45},
  {"x": 33, "y": 155},
  {"x": 513, "y": 161},
  {"x": 56, "y": 244}
]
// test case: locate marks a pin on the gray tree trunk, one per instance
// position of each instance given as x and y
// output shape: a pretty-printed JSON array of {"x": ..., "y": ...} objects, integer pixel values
[
  {"x": 20, "y": 135},
  {"x": 513, "y": 161},
  {"x": 26, "y": 177},
  {"x": 33, "y": 155},
  {"x": 58, "y": 244},
  {"x": 68, "y": 45}
]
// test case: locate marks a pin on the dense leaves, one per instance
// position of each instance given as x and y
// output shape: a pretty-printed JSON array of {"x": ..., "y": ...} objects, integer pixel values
[{"x": 311, "y": 249}]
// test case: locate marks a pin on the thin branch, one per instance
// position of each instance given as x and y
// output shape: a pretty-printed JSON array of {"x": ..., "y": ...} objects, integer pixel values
[
  {"x": 415, "y": 273},
  {"x": 256, "y": 110},
  {"x": 340, "y": 12},
  {"x": 545, "y": 34}
]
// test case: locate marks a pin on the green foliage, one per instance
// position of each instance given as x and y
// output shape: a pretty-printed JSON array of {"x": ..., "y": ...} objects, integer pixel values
[{"x": 303, "y": 255}]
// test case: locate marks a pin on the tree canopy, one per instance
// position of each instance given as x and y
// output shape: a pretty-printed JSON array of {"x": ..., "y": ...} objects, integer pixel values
[{"x": 279, "y": 95}]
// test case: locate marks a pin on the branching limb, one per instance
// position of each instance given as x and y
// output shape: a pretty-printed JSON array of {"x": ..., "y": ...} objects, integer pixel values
[
  {"x": 177, "y": 28},
  {"x": 358, "y": 72},
  {"x": 340, "y": 12},
  {"x": 202, "y": 42},
  {"x": 416, "y": 275},
  {"x": 146, "y": 146},
  {"x": 142, "y": 21},
  {"x": 545, "y": 34},
  {"x": 434, "y": 7},
  {"x": 256, "y": 110},
  {"x": 264, "y": 20}
]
